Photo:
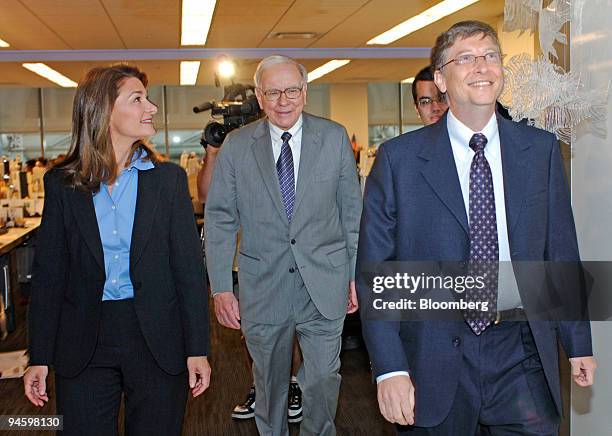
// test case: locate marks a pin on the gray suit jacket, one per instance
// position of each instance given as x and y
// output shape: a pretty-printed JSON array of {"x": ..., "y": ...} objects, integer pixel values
[{"x": 320, "y": 242}]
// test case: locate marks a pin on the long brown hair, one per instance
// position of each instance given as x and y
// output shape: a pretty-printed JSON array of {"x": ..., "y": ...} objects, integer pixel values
[{"x": 91, "y": 158}]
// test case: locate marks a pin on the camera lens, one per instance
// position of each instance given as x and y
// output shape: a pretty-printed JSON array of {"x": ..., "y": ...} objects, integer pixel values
[{"x": 214, "y": 134}]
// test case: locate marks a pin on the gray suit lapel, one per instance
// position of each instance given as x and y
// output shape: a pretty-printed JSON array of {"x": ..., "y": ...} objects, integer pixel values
[
  {"x": 440, "y": 171},
  {"x": 311, "y": 146},
  {"x": 262, "y": 149}
]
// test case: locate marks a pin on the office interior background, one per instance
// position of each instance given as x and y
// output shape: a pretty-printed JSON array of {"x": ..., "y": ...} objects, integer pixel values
[{"x": 370, "y": 95}]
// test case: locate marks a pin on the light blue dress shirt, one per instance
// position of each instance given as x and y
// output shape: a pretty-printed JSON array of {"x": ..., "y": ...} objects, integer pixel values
[{"x": 115, "y": 215}]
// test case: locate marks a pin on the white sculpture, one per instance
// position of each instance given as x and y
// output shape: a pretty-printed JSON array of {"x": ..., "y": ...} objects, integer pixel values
[
  {"x": 550, "y": 98},
  {"x": 523, "y": 15}
]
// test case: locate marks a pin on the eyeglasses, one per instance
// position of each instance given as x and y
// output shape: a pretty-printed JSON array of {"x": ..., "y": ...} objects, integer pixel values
[
  {"x": 426, "y": 101},
  {"x": 274, "y": 94},
  {"x": 492, "y": 58}
]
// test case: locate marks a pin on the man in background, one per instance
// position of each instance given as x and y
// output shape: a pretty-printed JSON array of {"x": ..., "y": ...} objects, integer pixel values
[{"x": 429, "y": 102}]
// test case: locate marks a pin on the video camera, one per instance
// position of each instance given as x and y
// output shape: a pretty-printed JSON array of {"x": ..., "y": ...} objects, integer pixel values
[{"x": 237, "y": 109}]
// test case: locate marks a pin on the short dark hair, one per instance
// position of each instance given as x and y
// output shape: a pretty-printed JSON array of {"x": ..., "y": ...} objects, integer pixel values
[
  {"x": 425, "y": 75},
  {"x": 460, "y": 30}
]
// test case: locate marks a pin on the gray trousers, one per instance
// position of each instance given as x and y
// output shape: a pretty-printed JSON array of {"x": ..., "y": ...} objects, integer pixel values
[{"x": 271, "y": 346}]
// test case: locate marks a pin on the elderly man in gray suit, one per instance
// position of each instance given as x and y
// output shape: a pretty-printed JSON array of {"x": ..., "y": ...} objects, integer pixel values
[{"x": 290, "y": 182}]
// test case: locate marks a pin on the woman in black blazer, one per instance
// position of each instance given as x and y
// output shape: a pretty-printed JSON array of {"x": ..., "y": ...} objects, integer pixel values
[{"x": 119, "y": 304}]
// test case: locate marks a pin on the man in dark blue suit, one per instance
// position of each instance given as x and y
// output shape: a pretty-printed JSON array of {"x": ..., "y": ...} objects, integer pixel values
[{"x": 472, "y": 187}]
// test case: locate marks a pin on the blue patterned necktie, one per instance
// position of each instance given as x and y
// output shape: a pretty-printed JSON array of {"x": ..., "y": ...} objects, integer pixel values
[
  {"x": 284, "y": 169},
  {"x": 484, "y": 245}
]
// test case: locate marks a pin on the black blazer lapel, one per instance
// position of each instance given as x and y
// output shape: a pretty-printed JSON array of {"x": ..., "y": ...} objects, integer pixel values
[
  {"x": 440, "y": 171},
  {"x": 262, "y": 149},
  {"x": 149, "y": 185},
  {"x": 85, "y": 213}
]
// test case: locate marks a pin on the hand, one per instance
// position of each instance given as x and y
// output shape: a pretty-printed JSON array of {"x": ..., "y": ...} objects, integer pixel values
[
  {"x": 583, "y": 370},
  {"x": 353, "y": 304},
  {"x": 199, "y": 374},
  {"x": 396, "y": 399},
  {"x": 35, "y": 384},
  {"x": 212, "y": 151},
  {"x": 226, "y": 309}
]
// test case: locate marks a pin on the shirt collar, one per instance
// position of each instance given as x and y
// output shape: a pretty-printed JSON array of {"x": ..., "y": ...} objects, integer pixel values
[
  {"x": 140, "y": 162},
  {"x": 461, "y": 134},
  {"x": 276, "y": 132}
]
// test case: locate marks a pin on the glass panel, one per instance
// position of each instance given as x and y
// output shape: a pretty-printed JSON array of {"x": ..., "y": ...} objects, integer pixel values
[
  {"x": 185, "y": 127},
  {"x": 410, "y": 117},
  {"x": 317, "y": 101},
  {"x": 383, "y": 112},
  {"x": 19, "y": 123},
  {"x": 159, "y": 139},
  {"x": 57, "y": 111}
]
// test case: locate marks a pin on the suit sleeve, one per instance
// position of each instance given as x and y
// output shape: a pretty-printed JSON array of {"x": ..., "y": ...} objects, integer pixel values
[
  {"x": 188, "y": 270},
  {"x": 221, "y": 222},
  {"x": 349, "y": 201},
  {"x": 377, "y": 244},
  {"x": 48, "y": 276},
  {"x": 562, "y": 246}
]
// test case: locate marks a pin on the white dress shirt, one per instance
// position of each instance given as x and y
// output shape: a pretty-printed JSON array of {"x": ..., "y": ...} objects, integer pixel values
[
  {"x": 460, "y": 135},
  {"x": 295, "y": 143},
  {"x": 508, "y": 295}
]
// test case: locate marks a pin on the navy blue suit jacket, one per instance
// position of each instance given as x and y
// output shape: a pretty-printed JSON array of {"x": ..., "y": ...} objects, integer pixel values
[{"x": 414, "y": 211}]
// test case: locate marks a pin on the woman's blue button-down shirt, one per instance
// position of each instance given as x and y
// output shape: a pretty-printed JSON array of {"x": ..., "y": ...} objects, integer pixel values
[{"x": 115, "y": 215}]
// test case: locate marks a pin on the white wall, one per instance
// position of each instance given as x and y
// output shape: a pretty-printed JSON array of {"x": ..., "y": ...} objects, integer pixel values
[{"x": 591, "y": 56}]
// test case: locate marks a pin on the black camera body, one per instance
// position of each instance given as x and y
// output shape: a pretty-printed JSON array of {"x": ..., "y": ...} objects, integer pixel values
[{"x": 237, "y": 109}]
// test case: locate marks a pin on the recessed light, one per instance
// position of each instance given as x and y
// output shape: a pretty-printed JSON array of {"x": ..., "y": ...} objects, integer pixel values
[{"x": 293, "y": 35}]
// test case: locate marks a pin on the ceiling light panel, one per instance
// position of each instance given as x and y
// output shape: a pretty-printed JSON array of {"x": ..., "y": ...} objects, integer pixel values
[
  {"x": 50, "y": 74},
  {"x": 189, "y": 72},
  {"x": 327, "y": 68},
  {"x": 425, "y": 18},
  {"x": 195, "y": 21}
]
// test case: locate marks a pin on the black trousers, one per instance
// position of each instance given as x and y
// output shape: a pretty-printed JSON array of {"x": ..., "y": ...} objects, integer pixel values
[
  {"x": 502, "y": 390},
  {"x": 122, "y": 365}
]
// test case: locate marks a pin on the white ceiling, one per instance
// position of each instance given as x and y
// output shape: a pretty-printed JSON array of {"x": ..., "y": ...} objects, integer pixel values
[{"x": 76, "y": 25}]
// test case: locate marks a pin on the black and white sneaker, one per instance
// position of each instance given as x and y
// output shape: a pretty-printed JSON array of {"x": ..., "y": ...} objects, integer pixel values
[
  {"x": 246, "y": 410},
  {"x": 294, "y": 411}
]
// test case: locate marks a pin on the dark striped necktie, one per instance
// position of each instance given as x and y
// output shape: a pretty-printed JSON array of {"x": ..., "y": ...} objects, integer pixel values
[{"x": 284, "y": 169}]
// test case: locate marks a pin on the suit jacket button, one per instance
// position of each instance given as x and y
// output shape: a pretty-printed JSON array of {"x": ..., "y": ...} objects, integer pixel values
[
  {"x": 293, "y": 242},
  {"x": 456, "y": 342},
  {"x": 291, "y": 270}
]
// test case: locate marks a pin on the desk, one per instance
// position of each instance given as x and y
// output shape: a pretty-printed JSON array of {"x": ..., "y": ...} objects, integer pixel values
[
  {"x": 8, "y": 271},
  {"x": 17, "y": 235}
]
